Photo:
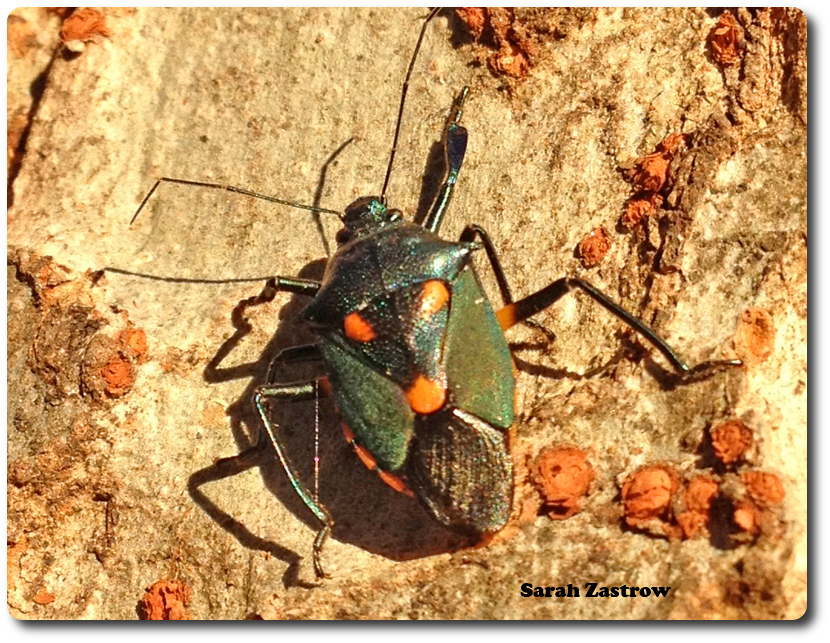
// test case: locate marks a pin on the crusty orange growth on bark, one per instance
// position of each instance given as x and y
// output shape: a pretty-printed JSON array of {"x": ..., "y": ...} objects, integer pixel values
[
  {"x": 647, "y": 493},
  {"x": 638, "y": 209},
  {"x": 84, "y": 25},
  {"x": 563, "y": 477},
  {"x": 698, "y": 496},
  {"x": 726, "y": 39},
  {"x": 764, "y": 488},
  {"x": 731, "y": 440},
  {"x": 650, "y": 179},
  {"x": 498, "y": 28},
  {"x": 755, "y": 336},
  {"x": 165, "y": 601},
  {"x": 593, "y": 248}
]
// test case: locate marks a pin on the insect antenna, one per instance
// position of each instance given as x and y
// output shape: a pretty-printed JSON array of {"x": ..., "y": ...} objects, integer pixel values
[
  {"x": 229, "y": 188},
  {"x": 431, "y": 15},
  {"x": 186, "y": 280},
  {"x": 318, "y": 194}
]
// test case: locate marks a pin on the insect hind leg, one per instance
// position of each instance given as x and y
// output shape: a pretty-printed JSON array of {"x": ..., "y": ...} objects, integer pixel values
[{"x": 519, "y": 311}]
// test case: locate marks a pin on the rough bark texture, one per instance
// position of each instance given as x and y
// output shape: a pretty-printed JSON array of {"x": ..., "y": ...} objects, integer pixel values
[{"x": 123, "y": 392}]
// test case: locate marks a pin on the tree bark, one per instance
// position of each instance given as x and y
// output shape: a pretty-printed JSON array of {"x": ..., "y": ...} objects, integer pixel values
[{"x": 112, "y": 444}]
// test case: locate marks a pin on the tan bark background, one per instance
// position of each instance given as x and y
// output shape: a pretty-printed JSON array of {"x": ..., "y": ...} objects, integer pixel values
[{"x": 112, "y": 483}]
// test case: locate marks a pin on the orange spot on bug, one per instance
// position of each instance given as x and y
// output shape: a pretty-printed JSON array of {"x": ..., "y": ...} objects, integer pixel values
[
  {"x": 357, "y": 328},
  {"x": 426, "y": 396},
  {"x": 433, "y": 297},
  {"x": 506, "y": 316},
  {"x": 395, "y": 482},
  {"x": 348, "y": 433},
  {"x": 365, "y": 457},
  {"x": 325, "y": 386},
  {"x": 371, "y": 463}
]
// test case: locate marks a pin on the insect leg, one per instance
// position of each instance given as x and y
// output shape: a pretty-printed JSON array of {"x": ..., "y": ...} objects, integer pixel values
[
  {"x": 469, "y": 234},
  {"x": 293, "y": 355},
  {"x": 294, "y": 393},
  {"x": 454, "y": 141},
  {"x": 214, "y": 372},
  {"x": 518, "y": 311}
]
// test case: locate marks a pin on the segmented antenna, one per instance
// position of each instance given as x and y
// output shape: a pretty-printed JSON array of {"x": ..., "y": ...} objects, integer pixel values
[
  {"x": 431, "y": 15},
  {"x": 229, "y": 188}
]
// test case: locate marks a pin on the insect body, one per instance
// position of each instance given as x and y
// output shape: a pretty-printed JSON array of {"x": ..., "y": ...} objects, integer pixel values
[{"x": 418, "y": 364}]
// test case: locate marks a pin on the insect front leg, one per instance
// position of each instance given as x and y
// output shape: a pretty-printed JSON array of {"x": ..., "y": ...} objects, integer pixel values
[
  {"x": 295, "y": 392},
  {"x": 213, "y": 371},
  {"x": 519, "y": 311}
]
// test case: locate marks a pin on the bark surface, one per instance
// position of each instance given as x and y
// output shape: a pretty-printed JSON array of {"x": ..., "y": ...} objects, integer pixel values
[{"x": 123, "y": 392}]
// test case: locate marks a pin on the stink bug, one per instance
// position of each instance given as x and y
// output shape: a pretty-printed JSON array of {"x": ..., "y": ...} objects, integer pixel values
[{"x": 417, "y": 360}]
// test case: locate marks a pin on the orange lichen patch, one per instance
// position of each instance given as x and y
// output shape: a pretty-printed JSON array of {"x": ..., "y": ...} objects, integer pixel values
[
  {"x": 498, "y": 29},
  {"x": 474, "y": 19},
  {"x": 118, "y": 376},
  {"x": 593, "y": 248},
  {"x": 357, "y": 328},
  {"x": 651, "y": 172},
  {"x": 53, "y": 285},
  {"x": 135, "y": 341},
  {"x": 563, "y": 476},
  {"x": 165, "y": 601},
  {"x": 690, "y": 523},
  {"x": 755, "y": 336},
  {"x": 745, "y": 517},
  {"x": 433, "y": 297},
  {"x": 84, "y": 25},
  {"x": 699, "y": 494},
  {"x": 764, "y": 488},
  {"x": 395, "y": 482},
  {"x": 512, "y": 62},
  {"x": 638, "y": 209},
  {"x": 726, "y": 39},
  {"x": 647, "y": 493},
  {"x": 426, "y": 396},
  {"x": 43, "y": 597},
  {"x": 650, "y": 178},
  {"x": 731, "y": 440}
]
